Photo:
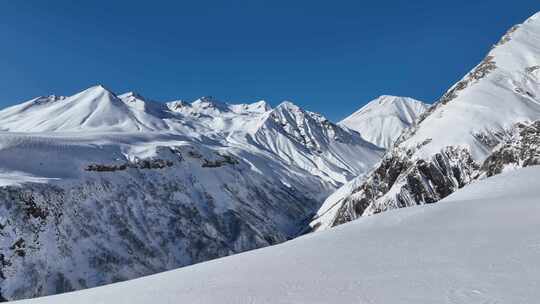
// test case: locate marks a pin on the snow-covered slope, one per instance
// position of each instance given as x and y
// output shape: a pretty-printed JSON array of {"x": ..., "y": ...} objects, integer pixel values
[
  {"x": 382, "y": 120},
  {"x": 479, "y": 245},
  {"x": 446, "y": 148},
  {"x": 502, "y": 90},
  {"x": 97, "y": 188},
  {"x": 315, "y": 143}
]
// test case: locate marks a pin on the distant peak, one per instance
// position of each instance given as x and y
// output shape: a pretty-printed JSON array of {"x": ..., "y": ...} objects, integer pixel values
[
  {"x": 131, "y": 94},
  {"x": 209, "y": 102},
  {"x": 207, "y": 99},
  {"x": 177, "y": 105},
  {"x": 390, "y": 100},
  {"x": 384, "y": 99},
  {"x": 98, "y": 89},
  {"x": 262, "y": 105},
  {"x": 288, "y": 105}
]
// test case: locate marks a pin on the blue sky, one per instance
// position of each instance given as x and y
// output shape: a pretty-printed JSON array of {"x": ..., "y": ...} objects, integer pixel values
[{"x": 327, "y": 56}]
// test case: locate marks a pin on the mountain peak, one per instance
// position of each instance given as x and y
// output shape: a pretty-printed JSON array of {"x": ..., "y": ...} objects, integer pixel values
[
  {"x": 288, "y": 105},
  {"x": 256, "y": 107},
  {"x": 382, "y": 120},
  {"x": 262, "y": 105},
  {"x": 98, "y": 87},
  {"x": 391, "y": 100},
  {"x": 177, "y": 105},
  {"x": 95, "y": 92},
  {"x": 209, "y": 103},
  {"x": 131, "y": 94}
]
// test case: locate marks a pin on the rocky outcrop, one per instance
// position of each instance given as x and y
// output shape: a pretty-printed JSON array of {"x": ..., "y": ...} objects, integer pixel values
[
  {"x": 402, "y": 181},
  {"x": 140, "y": 164},
  {"x": 521, "y": 148}
]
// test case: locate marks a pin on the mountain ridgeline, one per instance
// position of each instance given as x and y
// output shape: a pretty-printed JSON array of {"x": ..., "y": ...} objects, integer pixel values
[{"x": 97, "y": 188}]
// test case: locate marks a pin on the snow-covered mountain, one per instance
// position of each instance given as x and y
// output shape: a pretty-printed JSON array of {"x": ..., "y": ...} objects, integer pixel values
[
  {"x": 382, "y": 120},
  {"x": 95, "y": 109},
  {"x": 479, "y": 245},
  {"x": 97, "y": 188},
  {"x": 447, "y": 148}
]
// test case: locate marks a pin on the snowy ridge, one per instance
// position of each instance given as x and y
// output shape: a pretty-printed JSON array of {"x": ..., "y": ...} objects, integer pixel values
[
  {"x": 470, "y": 248},
  {"x": 312, "y": 140},
  {"x": 94, "y": 109},
  {"x": 502, "y": 90},
  {"x": 382, "y": 120}
]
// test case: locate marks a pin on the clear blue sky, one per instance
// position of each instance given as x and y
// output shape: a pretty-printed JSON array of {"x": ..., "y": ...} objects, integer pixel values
[{"x": 327, "y": 56}]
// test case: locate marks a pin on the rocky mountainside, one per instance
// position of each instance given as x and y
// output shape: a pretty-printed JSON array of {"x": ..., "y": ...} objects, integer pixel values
[
  {"x": 470, "y": 248},
  {"x": 484, "y": 124},
  {"x": 383, "y": 119},
  {"x": 97, "y": 188}
]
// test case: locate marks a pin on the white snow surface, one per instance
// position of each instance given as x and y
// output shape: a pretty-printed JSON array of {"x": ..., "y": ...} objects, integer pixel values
[
  {"x": 479, "y": 245},
  {"x": 382, "y": 120}
]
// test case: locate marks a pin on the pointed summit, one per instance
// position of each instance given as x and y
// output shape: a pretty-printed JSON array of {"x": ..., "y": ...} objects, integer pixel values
[
  {"x": 256, "y": 107},
  {"x": 94, "y": 109},
  {"x": 98, "y": 89},
  {"x": 289, "y": 105},
  {"x": 382, "y": 120},
  {"x": 131, "y": 95},
  {"x": 209, "y": 104}
]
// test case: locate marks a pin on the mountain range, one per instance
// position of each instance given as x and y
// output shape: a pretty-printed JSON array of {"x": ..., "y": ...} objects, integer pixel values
[{"x": 98, "y": 188}]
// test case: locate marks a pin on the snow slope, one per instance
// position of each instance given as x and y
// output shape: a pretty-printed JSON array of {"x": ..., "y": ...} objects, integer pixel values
[
  {"x": 479, "y": 245},
  {"x": 382, "y": 120}
]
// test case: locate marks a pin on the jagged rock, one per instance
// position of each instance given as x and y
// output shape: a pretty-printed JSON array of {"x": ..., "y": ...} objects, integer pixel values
[
  {"x": 413, "y": 182},
  {"x": 139, "y": 164},
  {"x": 520, "y": 149},
  {"x": 401, "y": 181}
]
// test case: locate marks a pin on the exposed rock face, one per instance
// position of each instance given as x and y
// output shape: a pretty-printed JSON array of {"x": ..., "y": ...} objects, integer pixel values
[
  {"x": 401, "y": 181},
  {"x": 415, "y": 182},
  {"x": 520, "y": 148}
]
